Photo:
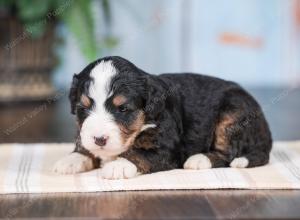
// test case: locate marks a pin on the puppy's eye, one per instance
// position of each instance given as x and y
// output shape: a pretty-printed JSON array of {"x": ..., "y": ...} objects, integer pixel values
[{"x": 123, "y": 108}]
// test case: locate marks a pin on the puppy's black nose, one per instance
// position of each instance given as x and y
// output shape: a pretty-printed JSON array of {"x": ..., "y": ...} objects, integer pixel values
[{"x": 101, "y": 141}]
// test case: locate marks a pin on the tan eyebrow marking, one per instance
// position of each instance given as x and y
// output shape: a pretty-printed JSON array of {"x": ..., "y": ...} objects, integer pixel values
[
  {"x": 85, "y": 101},
  {"x": 119, "y": 100}
]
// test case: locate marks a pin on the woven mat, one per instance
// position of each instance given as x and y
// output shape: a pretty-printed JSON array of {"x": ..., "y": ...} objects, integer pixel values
[{"x": 26, "y": 168}]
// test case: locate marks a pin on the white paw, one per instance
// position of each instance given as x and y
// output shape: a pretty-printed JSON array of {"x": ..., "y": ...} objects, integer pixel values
[
  {"x": 73, "y": 163},
  {"x": 119, "y": 169},
  {"x": 197, "y": 162},
  {"x": 240, "y": 162}
]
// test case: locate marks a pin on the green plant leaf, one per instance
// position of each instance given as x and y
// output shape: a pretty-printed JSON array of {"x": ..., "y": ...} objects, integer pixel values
[
  {"x": 36, "y": 29},
  {"x": 33, "y": 15},
  {"x": 6, "y": 3},
  {"x": 79, "y": 20},
  {"x": 77, "y": 15},
  {"x": 33, "y": 10}
]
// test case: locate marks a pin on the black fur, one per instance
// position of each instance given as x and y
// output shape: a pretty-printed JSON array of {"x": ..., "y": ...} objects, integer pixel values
[{"x": 187, "y": 109}]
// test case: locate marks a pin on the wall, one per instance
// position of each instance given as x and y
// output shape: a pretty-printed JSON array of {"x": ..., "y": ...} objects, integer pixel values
[{"x": 253, "y": 42}]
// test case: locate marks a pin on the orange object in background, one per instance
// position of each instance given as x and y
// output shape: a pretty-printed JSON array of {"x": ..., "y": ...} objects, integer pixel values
[
  {"x": 296, "y": 13},
  {"x": 238, "y": 39}
]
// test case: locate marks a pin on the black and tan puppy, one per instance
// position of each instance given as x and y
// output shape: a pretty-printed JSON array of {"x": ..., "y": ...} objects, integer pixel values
[{"x": 131, "y": 122}]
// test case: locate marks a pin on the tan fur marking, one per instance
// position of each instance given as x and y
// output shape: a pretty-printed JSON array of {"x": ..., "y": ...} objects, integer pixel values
[
  {"x": 221, "y": 133},
  {"x": 119, "y": 100},
  {"x": 85, "y": 101},
  {"x": 130, "y": 132},
  {"x": 146, "y": 140}
]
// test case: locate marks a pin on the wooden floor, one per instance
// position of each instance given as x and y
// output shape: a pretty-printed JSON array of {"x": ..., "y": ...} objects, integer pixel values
[
  {"x": 206, "y": 204},
  {"x": 51, "y": 122}
]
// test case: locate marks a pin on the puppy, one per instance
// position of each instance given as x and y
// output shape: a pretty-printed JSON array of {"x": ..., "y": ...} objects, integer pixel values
[{"x": 131, "y": 122}]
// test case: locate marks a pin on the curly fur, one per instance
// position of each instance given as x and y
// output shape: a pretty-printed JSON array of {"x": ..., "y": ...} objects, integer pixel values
[{"x": 192, "y": 114}]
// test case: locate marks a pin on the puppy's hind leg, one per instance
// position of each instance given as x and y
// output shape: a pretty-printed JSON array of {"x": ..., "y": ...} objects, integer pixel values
[
  {"x": 223, "y": 150},
  {"x": 221, "y": 154},
  {"x": 253, "y": 159},
  {"x": 206, "y": 160},
  {"x": 244, "y": 129}
]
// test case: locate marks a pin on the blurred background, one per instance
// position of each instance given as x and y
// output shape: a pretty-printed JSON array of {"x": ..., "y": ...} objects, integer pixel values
[{"x": 43, "y": 43}]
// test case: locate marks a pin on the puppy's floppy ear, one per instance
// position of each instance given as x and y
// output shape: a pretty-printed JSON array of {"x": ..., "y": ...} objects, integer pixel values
[
  {"x": 73, "y": 94},
  {"x": 156, "y": 97}
]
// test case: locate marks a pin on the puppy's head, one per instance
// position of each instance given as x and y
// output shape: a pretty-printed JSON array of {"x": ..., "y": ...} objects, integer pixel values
[{"x": 113, "y": 101}]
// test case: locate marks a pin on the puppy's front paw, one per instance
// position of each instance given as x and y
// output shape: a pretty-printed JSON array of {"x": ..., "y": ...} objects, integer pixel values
[
  {"x": 119, "y": 169},
  {"x": 197, "y": 162},
  {"x": 73, "y": 163}
]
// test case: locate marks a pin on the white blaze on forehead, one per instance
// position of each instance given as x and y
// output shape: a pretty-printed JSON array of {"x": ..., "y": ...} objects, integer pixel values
[
  {"x": 100, "y": 122},
  {"x": 102, "y": 74}
]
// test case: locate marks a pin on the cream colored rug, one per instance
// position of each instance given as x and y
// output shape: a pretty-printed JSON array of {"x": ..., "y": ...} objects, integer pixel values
[{"x": 26, "y": 168}]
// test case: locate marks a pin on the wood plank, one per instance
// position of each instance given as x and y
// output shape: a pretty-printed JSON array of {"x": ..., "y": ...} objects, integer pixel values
[
  {"x": 109, "y": 205},
  {"x": 177, "y": 204},
  {"x": 255, "y": 204}
]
